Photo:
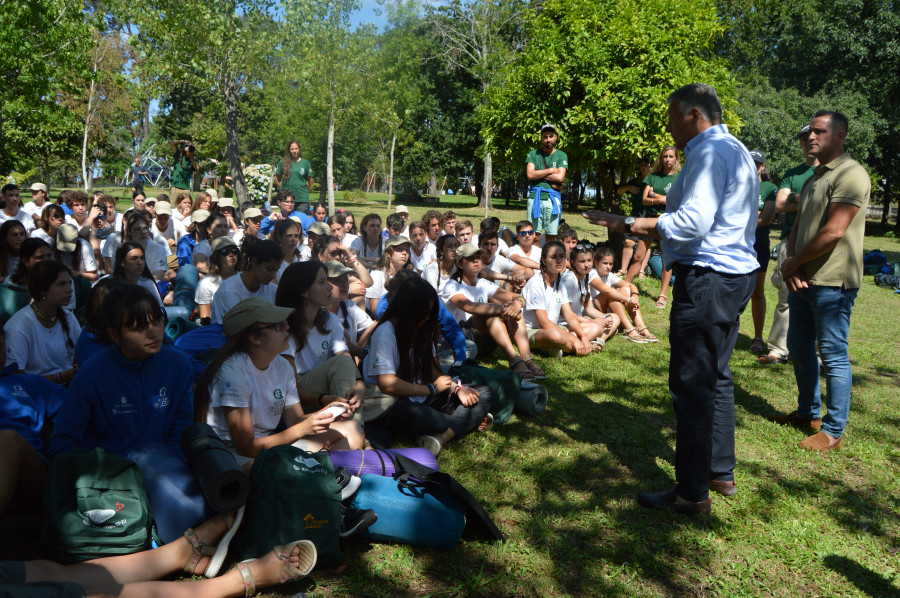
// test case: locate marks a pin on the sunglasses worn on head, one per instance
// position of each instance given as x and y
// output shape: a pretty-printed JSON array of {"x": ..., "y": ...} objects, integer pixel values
[
  {"x": 526, "y": 233},
  {"x": 229, "y": 250}
]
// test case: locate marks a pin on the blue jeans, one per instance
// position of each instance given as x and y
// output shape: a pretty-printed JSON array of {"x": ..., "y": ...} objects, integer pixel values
[{"x": 822, "y": 313}]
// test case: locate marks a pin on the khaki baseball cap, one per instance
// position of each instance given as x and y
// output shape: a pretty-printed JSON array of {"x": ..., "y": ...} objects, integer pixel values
[
  {"x": 252, "y": 213},
  {"x": 318, "y": 228},
  {"x": 396, "y": 240},
  {"x": 199, "y": 216},
  {"x": 38, "y": 187},
  {"x": 222, "y": 243},
  {"x": 468, "y": 250},
  {"x": 401, "y": 210},
  {"x": 334, "y": 269},
  {"x": 163, "y": 207},
  {"x": 252, "y": 310},
  {"x": 226, "y": 202},
  {"x": 67, "y": 238}
]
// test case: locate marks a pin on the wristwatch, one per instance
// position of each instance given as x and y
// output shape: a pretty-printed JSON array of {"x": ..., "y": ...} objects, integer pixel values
[{"x": 629, "y": 222}]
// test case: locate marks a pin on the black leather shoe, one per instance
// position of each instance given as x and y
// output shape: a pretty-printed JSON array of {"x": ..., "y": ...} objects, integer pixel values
[
  {"x": 723, "y": 487},
  {"x": 667, "y": 500}
]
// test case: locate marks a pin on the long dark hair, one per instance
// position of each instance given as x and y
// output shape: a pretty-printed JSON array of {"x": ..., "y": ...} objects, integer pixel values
[
  {"x": 295, "y": 280},
  {"x": 341, "y": 218},
  {"x": 5, "y": 251},
  {"x": 283, "y": 226},
  {"x": 239, "y": 343},
  {"x": 93, "y": 308},
  {"x": 40, "y": 278},
  {"x": 363, "y": 234},
  {"x": 29, "y": 248},
  {"x": 215, "y": 260},
  {"x": 49, "y": 210},
  {"x": 321, "y": 246},
  {"x": 121, "y": 253},
  {"x": 413, "y": 301},
  {"x": 76, "y": 253},
  {"x": 288, "y": 161},
  {"x": 544, "y": 253}
]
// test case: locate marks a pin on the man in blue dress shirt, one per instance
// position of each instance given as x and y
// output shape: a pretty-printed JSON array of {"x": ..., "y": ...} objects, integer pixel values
[{"x": 707, "y": 236}]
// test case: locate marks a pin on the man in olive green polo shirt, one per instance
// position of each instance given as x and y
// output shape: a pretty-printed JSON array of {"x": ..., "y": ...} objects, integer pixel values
[
  {"x": 185, "y": 166},
  {"x": 823, "y": 272},
  {"x": 786, "y": 203}
]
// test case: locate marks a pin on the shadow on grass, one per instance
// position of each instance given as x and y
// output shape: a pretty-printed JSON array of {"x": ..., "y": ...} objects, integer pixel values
[{"x": 865, "y": 579}]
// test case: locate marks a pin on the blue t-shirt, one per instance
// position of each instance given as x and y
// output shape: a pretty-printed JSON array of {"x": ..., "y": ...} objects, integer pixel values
[
  {"x": 27, "y": 401},
  {"x": 138, "y": 177}
]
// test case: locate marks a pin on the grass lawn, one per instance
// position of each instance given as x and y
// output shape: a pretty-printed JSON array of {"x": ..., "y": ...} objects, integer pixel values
[{"x": 562, "y": 486}]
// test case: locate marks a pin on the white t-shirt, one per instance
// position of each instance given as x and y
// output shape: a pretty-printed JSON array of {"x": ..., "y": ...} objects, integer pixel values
[
  {"x": 348, "y": 240},
  {"x": 303, "y": 256},
  {"x": 265, "y": 392},
  {"x": 41, "y": 234},
  {"x": 428, "y": 255},
  {"x": 88, "y": 261},
  {"x": 538, "y": 295},
  {"x": 319, "y": 347},
  {"x": 501, "y": 264},
  {"x": 376, "y": 290},
  {"x": 534, "y": 254},
  {"x": 435, "y": 277},
  {"x": 609, "y": 280},
  {"x": 573, "y": 292},
  {"x": 363, "y": 251},
  {"x": 33, "y": 209},
  {"x": 232, "y": 291},
  {"x": 480, "y": 293},
  {"x": 22, "y": 216},
  {"x": 154, "y": 253},
  {"x": 39, "y": 350},
  {"x": 384, "y": 356},
  {"x": 173, "y": 231},
  {"x": 358, "y": 321},
  {"x": 206, "y": 289},
  {"x": 70, "y": 219}
]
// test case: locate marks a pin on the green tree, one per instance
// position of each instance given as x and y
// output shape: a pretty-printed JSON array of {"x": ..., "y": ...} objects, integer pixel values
[
  {"x": 601, "y": 72},
  {"x": 41, "y": 42},
  {"x": 217, "y": 46}
]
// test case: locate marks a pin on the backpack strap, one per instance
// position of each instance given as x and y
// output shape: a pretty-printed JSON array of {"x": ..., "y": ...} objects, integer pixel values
[{"x": 444, "y": 481}]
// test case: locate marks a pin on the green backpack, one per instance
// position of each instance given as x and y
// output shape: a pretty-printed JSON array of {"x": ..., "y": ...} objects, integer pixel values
[
  {"x": 95, "y": 505},
  {"x": 293, "y": 496}
]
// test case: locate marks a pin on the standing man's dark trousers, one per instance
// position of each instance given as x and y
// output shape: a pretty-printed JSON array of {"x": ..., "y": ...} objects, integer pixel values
[{"x": 704, "y": 325}]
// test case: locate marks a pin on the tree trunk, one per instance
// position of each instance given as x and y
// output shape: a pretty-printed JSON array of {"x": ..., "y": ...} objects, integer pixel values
[
  {"x": 487, "y": 184},
  {"x": 573, "y": 193},
  {"x": 329, "y": 159},
  {"x": 391, "y": 175},
  {"x": 88, "y": 181},
  {"x": 432, "y": 184},
  {"x": 232, "y": 148}
]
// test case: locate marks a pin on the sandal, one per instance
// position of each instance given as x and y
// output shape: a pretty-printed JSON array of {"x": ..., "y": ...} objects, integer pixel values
[
  {"x": 770, "y": 359},
  {"x": 649, "y": 337},
  {"x": 527, "y": 374},
  {"x": 662, "y": 301},
  {"x": 198, "y": 551},
  {"x": 599, "y": 344},
  {"x": 639, "y": 340},
  {"x": 539, "y": 374},
  {"x": 486, "y": 423},
  {"x": 758, "y": 346},
  {"x": 307, "y": 556}
]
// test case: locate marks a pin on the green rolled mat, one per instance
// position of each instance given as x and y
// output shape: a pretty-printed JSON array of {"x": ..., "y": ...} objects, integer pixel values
[{"x": 178, "y": 326}]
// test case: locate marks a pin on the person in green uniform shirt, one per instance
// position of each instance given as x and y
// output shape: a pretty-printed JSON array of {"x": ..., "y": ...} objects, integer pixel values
[
  {"x": 767, "y": 192},
  {"x": 185, "y": 166},
  {"x": 295, "y": 173},
  {"x": 546, "y": 169},
  {"x": 657, "y": 184},
  {"x": 786, "y": 203}
]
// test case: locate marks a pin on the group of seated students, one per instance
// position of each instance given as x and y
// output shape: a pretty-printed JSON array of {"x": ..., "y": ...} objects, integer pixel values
[{"x": 311, "y": 312}]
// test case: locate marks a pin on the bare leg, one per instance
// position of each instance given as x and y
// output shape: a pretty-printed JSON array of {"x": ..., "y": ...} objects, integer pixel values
[
  {"x": 342, "y": 435},
  {"x": 22, "y": 472},
  {"x": 641, "y": 252},
  {"x": 758, "y": 305},
  {"x": 627, "y": 254},
  {"x": 129, "y": 568},
  {"x": 497, "y": 330},
  {"x": 666, "y": 279}
]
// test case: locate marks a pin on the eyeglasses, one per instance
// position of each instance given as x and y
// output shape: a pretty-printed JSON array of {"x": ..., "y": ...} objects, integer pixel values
[
  {"x": 276, "y": 327},
  {"x": 526, "y": 233},
  {"x": 586, "y": 245}
]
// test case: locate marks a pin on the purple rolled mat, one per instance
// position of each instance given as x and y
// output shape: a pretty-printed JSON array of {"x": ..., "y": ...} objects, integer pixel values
[{"x": 379, "y": 462}]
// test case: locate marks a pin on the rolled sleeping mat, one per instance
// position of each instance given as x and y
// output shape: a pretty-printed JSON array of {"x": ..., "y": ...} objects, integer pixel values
[
  {"x": 532, "y": 399},
  {"x": 176, "y": 311},
  {"x": 380, "y": 462},
  {"x": 225, "y": 486},
  {"x": 178, "y": 326}
]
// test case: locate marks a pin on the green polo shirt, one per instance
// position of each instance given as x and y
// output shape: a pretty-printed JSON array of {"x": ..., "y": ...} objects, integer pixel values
[
  {"x": 660, "y": 183},
  {"x": 183, "y": 172},
  {"x": 843, "y": 180},
  {"x": 794, "y": 180},
  {"x": 542, "y": 161},
  {"x": 301, "y": 170}
]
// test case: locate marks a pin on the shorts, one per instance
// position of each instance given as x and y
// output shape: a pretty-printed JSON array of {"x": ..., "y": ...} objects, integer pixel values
[
  {"x": 532, "y": 332},
  {"x": 548, "y": 222},
  {"x": 484, "y": 343},
  {"x": 762, "y": 248},
  {"x": 13, "y": 585}
]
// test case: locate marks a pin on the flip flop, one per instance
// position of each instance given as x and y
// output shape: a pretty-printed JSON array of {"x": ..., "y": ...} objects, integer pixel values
[{"x": 487, "y": 423}]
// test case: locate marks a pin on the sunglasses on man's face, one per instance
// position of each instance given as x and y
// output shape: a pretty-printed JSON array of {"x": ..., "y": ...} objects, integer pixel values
[{"x": 526, "y": 233}]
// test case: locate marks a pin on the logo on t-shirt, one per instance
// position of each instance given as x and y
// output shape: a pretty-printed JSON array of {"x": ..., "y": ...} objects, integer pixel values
[
  {"x": 162, "y": 399},
  {"x": 18, "y": 391},
  {"x": 123, "y": 407}
]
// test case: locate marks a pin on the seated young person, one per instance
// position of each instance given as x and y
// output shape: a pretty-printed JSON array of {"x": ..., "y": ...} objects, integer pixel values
[
  {"x": 289, "y": 235},
  {"x": 508, "y": 274},
  {"x": 612, "y": 294},
  {"x": 577, "y": 284},
  {"x": 131, "y": 268},
  {"x": 224, "y": 262},
  {"x": 428, "y": 404},
  {"x": 94, "y": 335},
  {"x": 41, "y": 337},
  {"x": 395, "y": 259},
  {"x": 368, "y": 245},
  {"x": 490, "y": 227},
  {"x": 526, "y": 253},
  {"x": 249, "y": 387},
  {"x": 27, "y": 402},
  {"x": 262, "y": 258},
  {"x": 486, "y": 311},
  {"x": 422, "y": 251},
  {"x": 464, "y": 231},
  {"x": 546, "y": 303},
  {"x": 438, "y": 272},
  {"x": 357, "y": 324}
]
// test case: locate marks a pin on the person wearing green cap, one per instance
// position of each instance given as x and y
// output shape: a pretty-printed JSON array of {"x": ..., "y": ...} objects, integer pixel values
[{"x": 249, "y": 388}]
